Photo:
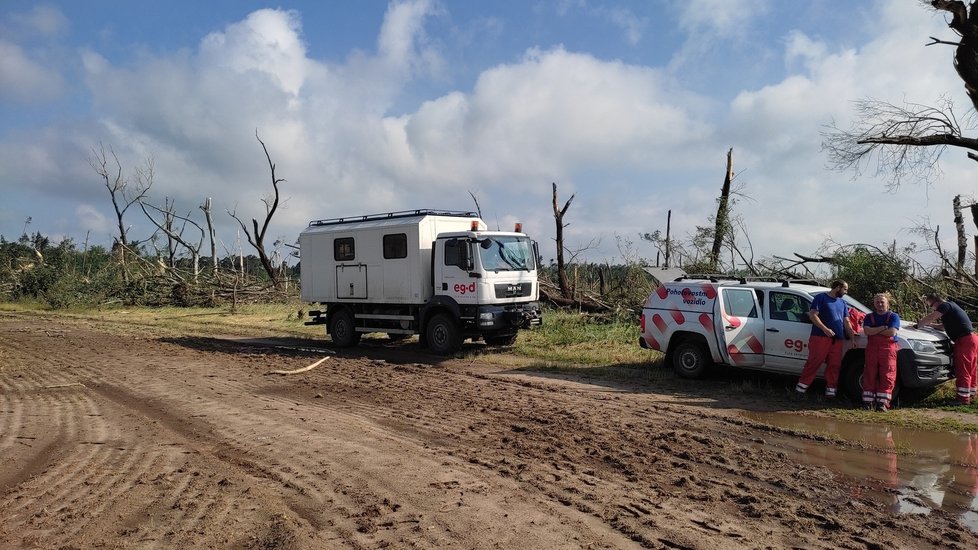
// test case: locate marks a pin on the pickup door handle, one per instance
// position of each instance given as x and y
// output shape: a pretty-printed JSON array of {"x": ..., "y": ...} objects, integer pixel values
[
  {"x": 773, "y": 330},
  {"x": 730, "y": 327}
]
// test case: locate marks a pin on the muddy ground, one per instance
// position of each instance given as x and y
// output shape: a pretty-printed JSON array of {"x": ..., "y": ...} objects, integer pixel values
[{"x": 177, "y": 442}]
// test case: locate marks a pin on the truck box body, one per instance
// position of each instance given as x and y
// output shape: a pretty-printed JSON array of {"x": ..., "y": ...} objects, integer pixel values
[{"x": 402, "y": 277}]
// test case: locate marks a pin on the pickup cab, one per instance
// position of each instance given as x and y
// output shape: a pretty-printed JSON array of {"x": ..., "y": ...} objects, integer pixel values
[{"x": 703, "y": 323}]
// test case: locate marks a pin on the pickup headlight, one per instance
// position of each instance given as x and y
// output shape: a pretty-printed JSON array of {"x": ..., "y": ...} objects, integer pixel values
[{"x": 923, "y": 346}]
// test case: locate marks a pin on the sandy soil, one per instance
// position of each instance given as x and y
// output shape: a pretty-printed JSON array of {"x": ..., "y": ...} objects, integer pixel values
[{"x": 119, "y": 441}]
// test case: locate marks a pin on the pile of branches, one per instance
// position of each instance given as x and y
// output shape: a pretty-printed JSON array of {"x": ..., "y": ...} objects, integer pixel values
[{"x": 207, "y": 291}]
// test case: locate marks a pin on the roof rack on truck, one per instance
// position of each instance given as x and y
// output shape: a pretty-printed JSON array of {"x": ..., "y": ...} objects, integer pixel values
[{"x": 392, "y": 215}]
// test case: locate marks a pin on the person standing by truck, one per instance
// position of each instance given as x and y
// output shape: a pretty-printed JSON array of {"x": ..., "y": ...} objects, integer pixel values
[
  {"x": 880, "y": 371},
  {"x": 957, "y": 325},
  {"x": 830, "y": 328}
]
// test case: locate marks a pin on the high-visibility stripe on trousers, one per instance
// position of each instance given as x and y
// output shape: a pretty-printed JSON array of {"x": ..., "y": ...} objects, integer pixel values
[
  {"x": 822, "y": 349},
  {"x": 880, "y": 372},
  {"x": 965, "y": 363}
]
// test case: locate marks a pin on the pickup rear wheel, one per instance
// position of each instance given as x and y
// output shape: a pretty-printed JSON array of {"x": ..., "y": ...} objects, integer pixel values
[
  {"x": 443, "y": 335},
  {"x": 343, "y": 330},
  {"x": 691, "y": 360},
  {"x": 852, "y": 382}
]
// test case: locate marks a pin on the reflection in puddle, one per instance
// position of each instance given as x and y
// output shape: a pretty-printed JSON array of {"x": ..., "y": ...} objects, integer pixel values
[{"x": 932, "y": 470}]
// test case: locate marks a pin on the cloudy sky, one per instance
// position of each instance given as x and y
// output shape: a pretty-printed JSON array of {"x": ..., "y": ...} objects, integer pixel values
[{"x": 372, "y": 107}]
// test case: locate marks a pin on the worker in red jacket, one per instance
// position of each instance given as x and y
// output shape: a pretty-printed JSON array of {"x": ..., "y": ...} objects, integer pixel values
[
  {"x": 955, "y": 322},
  {"x": 879, "y": 374}
]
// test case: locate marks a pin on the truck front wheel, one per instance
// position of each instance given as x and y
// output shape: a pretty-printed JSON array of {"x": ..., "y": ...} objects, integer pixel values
[
  {"x": 691, "y": 360},
  {"x": 443, "y": 335},
  {"x": 343, "y": 330}
]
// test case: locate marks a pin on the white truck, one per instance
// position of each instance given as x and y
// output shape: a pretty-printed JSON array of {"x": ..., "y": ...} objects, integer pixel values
[
  {"x": 437, "y": 273},
  {"x": 699, "y": 323}
]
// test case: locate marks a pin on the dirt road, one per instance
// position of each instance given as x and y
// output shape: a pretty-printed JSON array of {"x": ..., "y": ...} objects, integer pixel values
[{"x": 120, "y": 441}]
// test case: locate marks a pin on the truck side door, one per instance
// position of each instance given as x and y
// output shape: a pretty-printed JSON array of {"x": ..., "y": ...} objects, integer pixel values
[
  {"x": 742, "y": 327},
  {"x": 788, "y": 328},
  {"x": 452, "y": 265}
]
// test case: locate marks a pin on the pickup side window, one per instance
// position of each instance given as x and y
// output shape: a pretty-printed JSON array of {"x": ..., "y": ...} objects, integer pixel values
[
  {"x": 739, "y": 302},
  {"x": 789, "y": 307}
]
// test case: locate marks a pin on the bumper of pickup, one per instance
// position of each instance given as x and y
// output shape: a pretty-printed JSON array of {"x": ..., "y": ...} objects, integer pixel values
[{"x": 918, "y": 370}]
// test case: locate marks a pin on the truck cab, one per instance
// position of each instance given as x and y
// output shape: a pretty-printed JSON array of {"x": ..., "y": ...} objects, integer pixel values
[
  {"x": 487, "y": 279},
  {"x": 700, "y": 324}
]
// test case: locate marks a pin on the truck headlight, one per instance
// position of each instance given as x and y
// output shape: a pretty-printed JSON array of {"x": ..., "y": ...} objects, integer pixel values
[
  {"x": 923, "y": 346},
  {"x": 486, "y": 316}
]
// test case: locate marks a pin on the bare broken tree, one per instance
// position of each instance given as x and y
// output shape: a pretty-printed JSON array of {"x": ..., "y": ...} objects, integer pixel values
[
  {"x": 908, "y": 140},
  {"x": 174, "y": 234},
  {"x": 122, "y": 193},
  {"x": 478, "y": 209},
  {"x": 256, "y": 237},
  {"x": 565, "y": 289},
  {"x": 722, "y": 222},
  {"x": 206, "y": 207}
]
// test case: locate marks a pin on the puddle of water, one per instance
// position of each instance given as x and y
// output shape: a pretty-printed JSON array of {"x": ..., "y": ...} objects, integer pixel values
[{"x": 932, "y": 470}]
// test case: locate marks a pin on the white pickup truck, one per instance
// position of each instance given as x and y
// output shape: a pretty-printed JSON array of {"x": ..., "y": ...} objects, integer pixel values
[{"x": 699, "y": 323}]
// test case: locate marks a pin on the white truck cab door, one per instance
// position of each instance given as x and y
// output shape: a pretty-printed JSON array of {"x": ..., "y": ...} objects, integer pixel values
[
  {"x": 742, "y": 327},
  {"x": 452, "y": 267},
  {"x": 788, "y": 329}
]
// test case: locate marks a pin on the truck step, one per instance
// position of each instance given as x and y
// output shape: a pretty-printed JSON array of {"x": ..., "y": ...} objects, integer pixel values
[
  {"x": 384, "y": 317},
  {"x": 387, "y": 330}
]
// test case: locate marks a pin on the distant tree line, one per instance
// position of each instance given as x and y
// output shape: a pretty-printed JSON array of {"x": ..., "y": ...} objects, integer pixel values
[{"x": 62, "y": 275}]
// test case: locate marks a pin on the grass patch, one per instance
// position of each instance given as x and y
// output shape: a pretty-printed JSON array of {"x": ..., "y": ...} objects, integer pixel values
[
  {"x": 913, "y": 418},
  {"x": 571, "y": 338}
]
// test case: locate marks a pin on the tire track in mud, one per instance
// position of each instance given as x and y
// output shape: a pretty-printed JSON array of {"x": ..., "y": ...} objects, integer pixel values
[
  {"x": 78, "y": 477},
  {"x": 528, "y": 408},
  {"x": 321, "y": 496},
  {"x": 353, "y": 419},
  {"x": 362, "y": 453}
]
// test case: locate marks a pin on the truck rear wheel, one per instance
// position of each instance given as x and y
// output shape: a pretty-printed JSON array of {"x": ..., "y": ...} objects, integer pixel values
[
  {"x": 343, "y": 330},
  {"x": 443, "y": 335},
  {"x": 691, "y": 360}
]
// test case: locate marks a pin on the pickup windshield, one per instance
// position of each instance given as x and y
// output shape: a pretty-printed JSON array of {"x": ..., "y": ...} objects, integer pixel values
[{"x": 506, "y": 254}]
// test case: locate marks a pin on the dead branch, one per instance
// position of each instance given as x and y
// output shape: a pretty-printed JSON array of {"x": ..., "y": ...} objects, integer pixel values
[{"x": 297, "y": 371}]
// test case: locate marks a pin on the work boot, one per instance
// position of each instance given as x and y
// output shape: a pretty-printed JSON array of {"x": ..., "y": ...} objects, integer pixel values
[
  {"x": 963, "y": 400},
  {"x": 882, "y": 405}
]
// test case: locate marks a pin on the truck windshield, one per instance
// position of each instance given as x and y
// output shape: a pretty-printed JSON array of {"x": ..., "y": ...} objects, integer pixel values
[{"x": 506, "y": 254}]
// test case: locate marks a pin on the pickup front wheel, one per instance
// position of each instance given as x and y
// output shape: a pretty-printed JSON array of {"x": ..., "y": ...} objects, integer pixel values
[{"x": 691, "y": 360}]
